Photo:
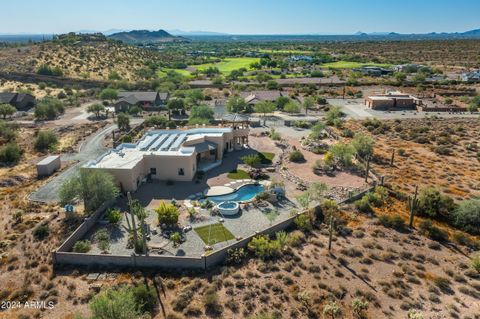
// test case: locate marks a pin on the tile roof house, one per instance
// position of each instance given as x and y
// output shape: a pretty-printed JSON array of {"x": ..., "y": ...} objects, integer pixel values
[
  {"x": 254, "y": 97},
  {"x": 144, "y": 99},
  {"x": 21, "y": 101}
]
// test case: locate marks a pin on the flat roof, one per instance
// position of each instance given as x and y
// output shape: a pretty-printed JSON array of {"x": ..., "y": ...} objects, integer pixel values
[
  {"x": 159, "y": 142},
  {"x": 47, "y": 160}
]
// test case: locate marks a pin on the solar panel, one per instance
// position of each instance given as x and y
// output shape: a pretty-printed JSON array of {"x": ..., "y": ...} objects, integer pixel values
[
  {"x": 166, "y": 145},
  {"x": 146, "y": 142},
  {"x": 158, "y": 142},
  {"x": 178, "y": 142}
]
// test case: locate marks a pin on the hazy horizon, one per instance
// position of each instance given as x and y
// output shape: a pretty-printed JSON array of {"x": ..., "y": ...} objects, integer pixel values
[{"x": 268, "y": 17}]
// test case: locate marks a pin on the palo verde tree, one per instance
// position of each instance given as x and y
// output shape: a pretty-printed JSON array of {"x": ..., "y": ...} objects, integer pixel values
[
  {"x": 109, "y": 95},
  {"x": 7, "y": 110},
  {"x": 175, "y": 104},
  {"x": 123, "y": 121},
  {"x": 236, "y": 104},
  {"x": 96, "y": 109},
  {"x": 308, "y": 103},
  {"x": 94, "y": 187},
  {"x": 264, "y": 107}
]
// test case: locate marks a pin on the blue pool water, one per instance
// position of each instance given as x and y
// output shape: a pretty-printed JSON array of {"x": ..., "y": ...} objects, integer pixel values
[{"x": 244, "y": 193}]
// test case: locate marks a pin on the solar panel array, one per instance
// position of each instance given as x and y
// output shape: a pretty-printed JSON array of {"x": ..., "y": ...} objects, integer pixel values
[{"x": 162, "y": 142}]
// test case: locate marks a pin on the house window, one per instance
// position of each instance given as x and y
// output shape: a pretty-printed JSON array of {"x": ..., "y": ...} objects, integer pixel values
[
  {"x": 153, "y": 171},
  {"x": 213, "y": 152},
  {"x": 181, "y": 172}
]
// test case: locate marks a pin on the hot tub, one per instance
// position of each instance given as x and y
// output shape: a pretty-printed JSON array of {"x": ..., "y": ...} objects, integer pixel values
[{"x": 228, "y": 208}]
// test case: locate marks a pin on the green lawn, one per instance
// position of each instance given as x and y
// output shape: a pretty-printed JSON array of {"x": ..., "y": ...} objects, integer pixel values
[
  {"x": 238, "y": 174},
  {"x": 164, "y": 71},
  {"x": 267, "y": 158},
  {"x": 350, "y": 65},
  {"x": 217, "y": 233},
  {"x": 227, "y": 65}
]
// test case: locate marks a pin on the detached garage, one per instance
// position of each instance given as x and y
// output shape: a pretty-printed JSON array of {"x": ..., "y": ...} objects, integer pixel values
[{"x": 48, "y": 165}]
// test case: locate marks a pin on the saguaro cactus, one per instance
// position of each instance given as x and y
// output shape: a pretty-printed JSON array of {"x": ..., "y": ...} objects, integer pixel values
[{"x": 413, "y": 202}]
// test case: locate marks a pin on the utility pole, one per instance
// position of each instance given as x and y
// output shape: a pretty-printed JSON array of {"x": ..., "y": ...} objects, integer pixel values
[
  {"x": 413, "y": 205},
  {"x": 393, "y": 157}
]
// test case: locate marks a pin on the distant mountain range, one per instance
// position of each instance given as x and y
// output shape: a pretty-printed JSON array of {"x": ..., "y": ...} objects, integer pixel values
[
  {"x": 146, "y": 36},
  {"x": 475, "y": 33}
]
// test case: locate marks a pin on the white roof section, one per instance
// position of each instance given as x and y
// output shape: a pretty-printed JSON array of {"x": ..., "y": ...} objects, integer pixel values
[
  {"x": 161, "y": 142},
  {"x": 47, "y": 160}
]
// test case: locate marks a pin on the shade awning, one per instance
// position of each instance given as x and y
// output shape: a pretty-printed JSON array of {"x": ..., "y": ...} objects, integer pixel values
[{"x": 205, "y": 147}]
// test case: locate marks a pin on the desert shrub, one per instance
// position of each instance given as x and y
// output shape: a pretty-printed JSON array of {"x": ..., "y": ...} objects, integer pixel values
[
  {"x": 235, "y": 256},
  {"x": 343, "y": 154},
  {"x": 433, "y": 232},
  {"x": 41, "y": 232},
  {"x": 167, "y": 213},
  {"x": 212, "y": 303},
  {"x": 467, "y": 216},
  {"x": 10, "y": 153},
  {"x": 303, "y": 222},
  {"x": 115, "y": 304},
  {"x": 48, "y": 108},
  {"x": 274, "y": 135},
  {"x": 432, "y": 203},
  {"x": 82, "y": 246},
  {"x": 264, "y": 248},
  {"x": 145, "y": 297},
  {"x": 359, "y": 307},
  {"x": 45, "y": 140},
  {"x": 251, "y": 160},
  {"x": 114, "y": 216},
  {"x": 363, "y": 205},
  {"x": 395, "y": 221},
  {"x": 363, "y": 145},
  {"x": 443, "y": 284},
  {"x": 476, "y": 263},
  {"x": 296, "y": 157}
]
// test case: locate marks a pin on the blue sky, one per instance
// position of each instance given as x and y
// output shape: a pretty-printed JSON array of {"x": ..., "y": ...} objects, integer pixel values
[{"x": 241, "y": 16}]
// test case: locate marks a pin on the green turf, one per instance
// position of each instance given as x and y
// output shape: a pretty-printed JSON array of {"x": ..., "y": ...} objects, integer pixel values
[
  {"x": 227, "y": 65},
  {"x": 163, "y": 72},
  {"x": 350, "y": 65},
  {"x": 238, "y": 174},
  {"x": 217, "y": 233},
  {"x": 267, "y": 158}
]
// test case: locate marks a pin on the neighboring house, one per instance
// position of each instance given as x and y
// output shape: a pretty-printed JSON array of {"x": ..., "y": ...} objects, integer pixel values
[
  {"x": 295, "y": 58},
  {"x": 392, "y": 101},
  {"x": 473, "y": 76},
  {"x": 170, "y": 155},
  {"x": 21, "y": 101},
  {"x": 146, "y": 100},
  {"x": 410, "y": 68},
  {"x": 373, "y": 71},
  {"x": 254, "y": 97}
]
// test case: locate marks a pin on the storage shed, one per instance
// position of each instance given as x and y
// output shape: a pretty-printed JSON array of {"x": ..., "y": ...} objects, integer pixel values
[{"x": 48, "y": 165}]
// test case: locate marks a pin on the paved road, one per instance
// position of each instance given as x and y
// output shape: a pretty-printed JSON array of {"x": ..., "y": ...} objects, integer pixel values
[{"x": 88, "y": 150}]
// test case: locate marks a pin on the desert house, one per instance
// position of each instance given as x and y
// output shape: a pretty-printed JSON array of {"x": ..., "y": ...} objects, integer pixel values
[
  {"x": 473, "y": 76},
  {"x": 21, "y": 101},
  {"x": 170, "y": 155},
  {"x": 254, "y": 97},
  {"x": 392, "y": 100},
  {"x": 145, "y": 99}
]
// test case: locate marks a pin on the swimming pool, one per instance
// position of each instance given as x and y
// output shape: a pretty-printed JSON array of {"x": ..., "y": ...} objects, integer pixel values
[{"x": 242, "y": 194}]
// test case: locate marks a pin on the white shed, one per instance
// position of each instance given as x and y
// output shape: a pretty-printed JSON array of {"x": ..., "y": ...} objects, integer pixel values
[{"x": 48, "y": 165}]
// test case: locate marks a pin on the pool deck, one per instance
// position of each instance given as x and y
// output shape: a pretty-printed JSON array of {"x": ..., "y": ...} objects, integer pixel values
[{"x": 218, "y": 190}]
